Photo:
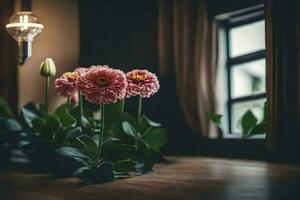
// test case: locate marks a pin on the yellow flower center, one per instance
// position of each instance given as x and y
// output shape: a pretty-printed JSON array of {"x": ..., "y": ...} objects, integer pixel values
[
  {"x": 102, "y": 82},
  {"x": 71, "y": 75},
  {"x": 138, "y": 77}
]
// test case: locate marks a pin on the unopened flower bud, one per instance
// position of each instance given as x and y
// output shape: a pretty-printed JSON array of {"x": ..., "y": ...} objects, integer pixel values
[{"x": 47, "y": 68}]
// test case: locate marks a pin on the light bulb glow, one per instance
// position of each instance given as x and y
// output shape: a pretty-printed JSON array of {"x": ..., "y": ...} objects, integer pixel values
[
  {"x": 19, "y": 25},
  {"x": 24, "y": 26},
  {"x": 25, "y": 22}
]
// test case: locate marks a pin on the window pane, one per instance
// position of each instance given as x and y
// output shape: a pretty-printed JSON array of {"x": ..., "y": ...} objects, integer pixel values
[
  {"x": 248, "y": 78},
  {"x": 239, "y": 109},
  {"x": 247, "y": 38}
]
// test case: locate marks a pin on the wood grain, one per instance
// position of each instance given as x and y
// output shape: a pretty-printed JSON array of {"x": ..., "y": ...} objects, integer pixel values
[{"x": 182, "y": 178}]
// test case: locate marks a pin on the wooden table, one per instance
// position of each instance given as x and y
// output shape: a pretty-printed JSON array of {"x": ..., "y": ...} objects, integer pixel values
[{"x": 182, "y": 178}]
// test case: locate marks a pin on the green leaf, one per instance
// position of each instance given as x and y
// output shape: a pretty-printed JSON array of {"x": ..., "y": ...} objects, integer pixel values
[
  {"x": 46, "y": 132},
  {"x": 114, "y": 151},
  {"x": 7, "y": 124},
  {"x": 89, "y": 143},
  {"x": 102, "y": 173},
  {"x": 53, "y": 121},
  {"x": 109, "y": 140},
  {"x": 65, "y": 117},
  {"x": 259, "y": 129},
  {"x": 145, "y": 158},
  {"x": 73, "y": 133},
  {"x": 37, "y": 149},
  {"x": 5, "y": 152},
  {"x": 74, "y": 143},
  {"x": 120, "y": 117},
  {"x": 60, "y": 135},
  {"x": 79, "y": 155},
  {"x": 129, "y": 129},
  {"x": 123, "y": 166},
  {"x": 248, "y": 122},
  {"x": 28, "y": 116},
  {"x": 38, "y": 124},
  {"x": 116, "y": 128},
  {"x": 216, "y": 118},
  {"x": 85, "y": 122},
  {"x": 107, "y": 135},
  {"x": 147, "y": 131},
  {"x": 5, "y": 110},
  {"x": 157, "y": 156},
  {"x": 33, "y": 108},
  {"x": 145, "y": 123},
  {"x": 156, "y": 138},
  {"x": 150, "y": 122}
]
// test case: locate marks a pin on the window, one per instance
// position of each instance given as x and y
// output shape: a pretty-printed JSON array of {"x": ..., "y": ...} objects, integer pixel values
[{"x": 245, "y": 68}]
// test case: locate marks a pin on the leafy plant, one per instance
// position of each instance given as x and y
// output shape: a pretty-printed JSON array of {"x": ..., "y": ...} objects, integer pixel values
[
  {"x": 10, "y": 131},
  {"x": 148, "y": 137},
  {"x": 249, "y": 123},
  {"x": 71, "y": 142},
  {"x": 215, "y": 118}
]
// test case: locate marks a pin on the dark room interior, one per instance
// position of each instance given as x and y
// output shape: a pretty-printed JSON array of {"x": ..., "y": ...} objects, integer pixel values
[{"x": 149, "y": 99}]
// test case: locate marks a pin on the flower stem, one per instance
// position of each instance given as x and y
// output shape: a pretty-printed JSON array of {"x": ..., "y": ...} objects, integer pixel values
[
  {"x": 139, "y": 111},
  {"x": 80, "y": 105},
  {"x": 122, "y": 105},
  {"x": 101, "y": 134},
  {"x": 47, "y": 94}
]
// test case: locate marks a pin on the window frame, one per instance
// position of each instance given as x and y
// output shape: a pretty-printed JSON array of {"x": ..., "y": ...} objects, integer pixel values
[{"x": 227, "y": 24}]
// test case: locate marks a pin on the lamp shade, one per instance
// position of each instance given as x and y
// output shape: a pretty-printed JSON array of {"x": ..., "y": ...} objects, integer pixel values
[{"x": 23, "y": 27}]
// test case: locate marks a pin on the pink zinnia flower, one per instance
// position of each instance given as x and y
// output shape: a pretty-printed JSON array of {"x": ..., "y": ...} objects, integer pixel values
[
  {"x": 142, "y": 83},
  {"x": 82, "y": 70},
  {"x": 102, "y": 84},
  {"x": 65, "y": 84}
]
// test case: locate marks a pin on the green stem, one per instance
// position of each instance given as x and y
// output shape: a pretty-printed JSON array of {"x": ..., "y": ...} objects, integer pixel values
[
  {"x": 139, "y": 111},
  {"x": 80, "y": 105},
  {"x": 101, "y": 134},
  {"x": 139, "y": 115},
  {"x": 136, "y": 141},
  {"x": 47, "y": 94},
  {"x": 122, "y": 105}
]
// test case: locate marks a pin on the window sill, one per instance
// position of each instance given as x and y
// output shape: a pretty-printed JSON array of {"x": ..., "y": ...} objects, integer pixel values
[{"x": 227, "y": 136}]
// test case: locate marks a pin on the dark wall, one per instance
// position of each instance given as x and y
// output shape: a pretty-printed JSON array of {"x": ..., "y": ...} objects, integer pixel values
[
  {"x": 8, "y": 58},
  {"x": 119, "y": 33},
  {"x": 217, "y": 7}
]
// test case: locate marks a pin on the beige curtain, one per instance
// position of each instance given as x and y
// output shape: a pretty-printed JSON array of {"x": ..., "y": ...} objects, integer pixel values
[{"x": 188, "y": 49}]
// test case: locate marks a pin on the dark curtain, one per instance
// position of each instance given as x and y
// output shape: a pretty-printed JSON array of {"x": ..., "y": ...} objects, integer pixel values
[
  {"x": 8, "y": 58},
  {"x": 283, "y": 79},
  {"x": 187, "y": 43}
]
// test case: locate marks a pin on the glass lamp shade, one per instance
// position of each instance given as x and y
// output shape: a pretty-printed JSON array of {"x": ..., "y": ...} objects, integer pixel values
[{"x": 23, "y": 27}]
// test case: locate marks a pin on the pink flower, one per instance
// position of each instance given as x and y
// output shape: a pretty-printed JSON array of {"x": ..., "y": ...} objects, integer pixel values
[
  {"x": 65, "y": 84},
  {"x": 142, "y": 83},
  {"x": 82, "y": 70},
  {"x": 102, "y": 84},
  {"x": 74, "y": 99}
]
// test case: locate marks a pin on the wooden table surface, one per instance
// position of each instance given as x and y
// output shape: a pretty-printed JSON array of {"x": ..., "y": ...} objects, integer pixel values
[{"x": 182, "y": 178}]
